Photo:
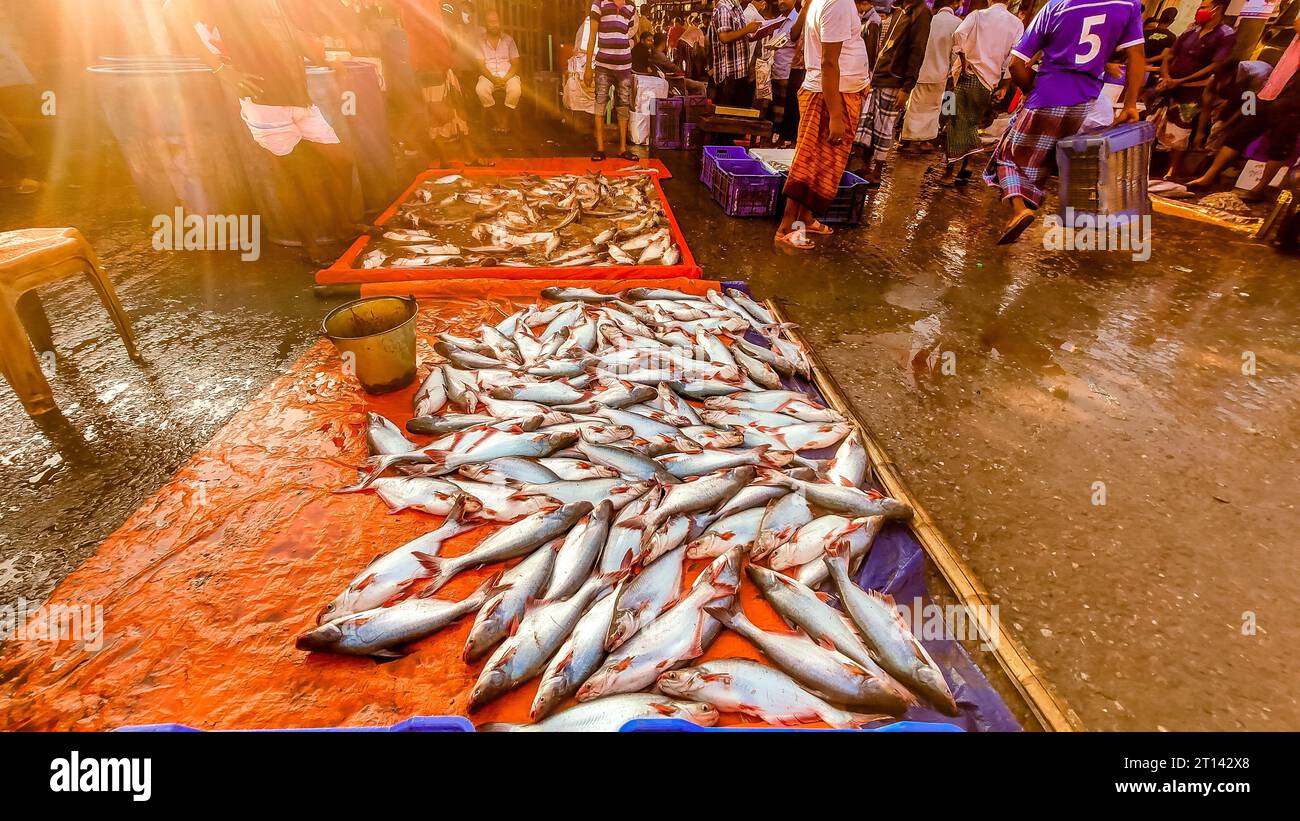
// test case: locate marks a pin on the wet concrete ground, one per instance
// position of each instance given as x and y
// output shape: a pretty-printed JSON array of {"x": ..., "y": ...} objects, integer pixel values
[{"x": 1066, "y": 369}]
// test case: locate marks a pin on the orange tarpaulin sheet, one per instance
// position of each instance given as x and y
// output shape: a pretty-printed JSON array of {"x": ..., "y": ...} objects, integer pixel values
[
  {"x": 525, "y": 289},
  {"x": 345, "y": 270},
  {"x": 206, "y": 586}
]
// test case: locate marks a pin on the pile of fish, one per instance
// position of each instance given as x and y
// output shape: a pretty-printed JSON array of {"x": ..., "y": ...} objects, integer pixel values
[
  {"x": 565, "y": 221},
  {"x": 612, "y": 438}
]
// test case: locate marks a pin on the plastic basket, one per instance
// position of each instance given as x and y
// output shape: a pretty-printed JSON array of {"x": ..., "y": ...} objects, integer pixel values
[
  {"x": 746, "y": 188},
  {"x": 713, "y": 153},
  {"x": 849, "y": 202},
  {"x": 667, "y": 133},
  {"x": 1105, "y": 173},
  {"x": 692, "y": 136},
  {"x": 695, "y": 108}
]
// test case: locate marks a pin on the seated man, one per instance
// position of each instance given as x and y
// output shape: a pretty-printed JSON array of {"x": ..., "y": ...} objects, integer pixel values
[
  {"x": 1278, "y": 116},
  {"x": 498, "y": 69}
]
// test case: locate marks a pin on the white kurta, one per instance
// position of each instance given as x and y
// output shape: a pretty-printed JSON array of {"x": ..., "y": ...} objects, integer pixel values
[{"x": 923, "y": 105}]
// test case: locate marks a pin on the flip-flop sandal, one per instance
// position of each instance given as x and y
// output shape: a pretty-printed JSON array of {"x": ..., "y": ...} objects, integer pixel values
[
  {"x": 1015, "y": 229},
  {"x": 599, "y": 156},
  {"x": 789, "y": 240},
  {"x": 629, "y": 156},
  {"x": 819, "y": 228}
]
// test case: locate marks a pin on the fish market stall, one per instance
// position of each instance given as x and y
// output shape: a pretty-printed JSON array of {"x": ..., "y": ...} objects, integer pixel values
[
  {"x": 671, "y": 509},
  {"x": 545, "y": 219}
]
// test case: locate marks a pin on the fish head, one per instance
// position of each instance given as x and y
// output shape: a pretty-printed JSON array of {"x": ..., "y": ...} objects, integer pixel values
[
  {"x": 680, "y": 683},
  {"x": 621, "y": 627},
  {"x": 550, "y": 694},
  {"x": 894, "y": 509},
  {"x": 764, "y": 578},
  {"x": 930, "y": 682},
  {"x": 705, "y": 715},
  {"x": 334, "y": 609},
  {"x": 325, "y": 637},
  {"x": 493, "y": 682}
]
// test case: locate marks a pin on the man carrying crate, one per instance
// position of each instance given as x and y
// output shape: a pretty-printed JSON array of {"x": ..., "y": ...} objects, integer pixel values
[{"x": 1075, "y": 38}]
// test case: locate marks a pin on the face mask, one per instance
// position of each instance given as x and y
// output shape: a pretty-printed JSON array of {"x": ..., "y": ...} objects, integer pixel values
[{"x": 1203, "y": 15}]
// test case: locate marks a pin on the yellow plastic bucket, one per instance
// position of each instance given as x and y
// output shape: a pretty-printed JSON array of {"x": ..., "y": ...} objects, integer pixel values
[{"x": 376, "y": 340}]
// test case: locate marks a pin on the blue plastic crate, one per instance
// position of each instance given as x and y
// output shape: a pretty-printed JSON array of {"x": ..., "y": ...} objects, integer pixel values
[
  {"x": 746, "y": 188},
  {"x": 713, "y": 153},
  {"x": 1104, "y": 173},
  {"x": 681, "y": 725},
  {"x": 849, "y": 203}
]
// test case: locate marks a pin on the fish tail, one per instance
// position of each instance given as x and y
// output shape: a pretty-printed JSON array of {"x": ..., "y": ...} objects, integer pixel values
[
  {"x": 439, "y": 570},
  {"x": 856, "y": 721}
]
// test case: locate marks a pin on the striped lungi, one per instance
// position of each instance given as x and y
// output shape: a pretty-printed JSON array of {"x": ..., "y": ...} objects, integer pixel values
[
  {"x": 1025, "y": 158},
  {"x": 818, "y": 166},
  {"x": 877, "y": 122},
  {"x": 962, "y": 130}
]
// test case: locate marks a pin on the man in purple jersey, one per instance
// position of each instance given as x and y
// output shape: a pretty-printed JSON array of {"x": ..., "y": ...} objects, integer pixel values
[{"x": 1075, "y": 38}]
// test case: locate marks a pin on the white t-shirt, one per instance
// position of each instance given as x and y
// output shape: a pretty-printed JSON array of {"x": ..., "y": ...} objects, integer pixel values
[{"x": 835, "y": 21}]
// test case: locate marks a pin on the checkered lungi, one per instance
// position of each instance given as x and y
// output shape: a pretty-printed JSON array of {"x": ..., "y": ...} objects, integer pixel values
[
  {"x": 1025, "y": 158},
  {"x": 961, "y": 130},
  {"x": 879, "y": 117}
]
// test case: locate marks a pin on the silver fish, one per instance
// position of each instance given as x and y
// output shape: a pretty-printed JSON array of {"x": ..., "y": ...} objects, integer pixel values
[
  {"x": 510, "y": 468},
  {"x": 846, "y": 501},
  {"x": 883, "y": 628},
  {"x": 500, "y": 503},
  {"x": 704, "y": 493},
  {"x": 517, "y": 588},
  {"x": 579, "y": 552},
  {"x": 681, "y": 634},
  {"x": 744, "y": 686},
  {"x": 523, "y": 654},
  {"x": 737, "y": 530},
  {"x": 608, "y": 715},
  {"x": 803, "y": 608},
  {"x": 624, "y": 546},
  {"x": 389, "y": 578},
  {"x": 670, "y": 402},
  {"x": 424, "y": 493},
  {"x": 573, "y": 470},
  {"x": 643, "y": 597},
  {"x": 575, "y": 661},
  {"x": 683, "y": 465},
  {"x": 758, "y": 370},
  {"x": 376, "y": 632},
  {"x": 849, "y": 467},
  {"x": 626, "y": 462},
  {"x": 781, "y": 521},
  {"x": 804, "y": 436},
  {"x": 826, "y": 672},
  {"x": 811, "y": 540},
  {"x": 518, "y": 539},
  {"x": 432, "y": 395},
  {"x": 616, "y": 491},
  {"x": 754, "y": 496},
  {"x": 385, "y": 438}
]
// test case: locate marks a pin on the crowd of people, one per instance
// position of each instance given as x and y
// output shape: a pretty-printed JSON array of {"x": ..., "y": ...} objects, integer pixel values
[
  {"x": 847, "y": 83},
  {"x": 846, "y": 80}
]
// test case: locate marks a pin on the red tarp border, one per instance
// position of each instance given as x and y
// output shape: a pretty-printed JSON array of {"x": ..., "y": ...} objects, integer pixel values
[{"x": 344, "y": 271}]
